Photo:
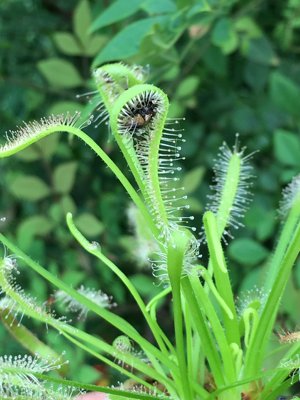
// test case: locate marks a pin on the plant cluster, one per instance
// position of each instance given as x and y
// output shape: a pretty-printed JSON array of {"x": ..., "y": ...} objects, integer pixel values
[
  {"x": 227, "y": 66},
  {"x": 222, "y": 348}
]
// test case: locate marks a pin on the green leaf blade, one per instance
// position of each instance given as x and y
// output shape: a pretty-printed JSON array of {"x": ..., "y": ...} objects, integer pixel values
[
  {"x": 60, "y": 73},
  {"x": 29, "y": 188},
  {"x": 67, "y": 43},
  {"x": 116, "y": 12},
  {"x": 64, "y": 177},
  {"x": 247, "y": 251},
  {"x": 287, "y": 148},
  {"x": 127, "y": 42}
]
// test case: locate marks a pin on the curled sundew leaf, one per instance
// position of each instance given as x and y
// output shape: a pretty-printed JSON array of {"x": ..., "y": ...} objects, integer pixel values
[
  {"x": 254, "y": 298},
  {"x": 124, "y": 346},
  {"x": 149, "y": 141},
  {"x": 137, "y": 120},
  {"x": 152, "y": 148},
  {"x": 151, "y": 145},
  {"x": 113, "y": 79},
  {"x": 249, "y": 306}
]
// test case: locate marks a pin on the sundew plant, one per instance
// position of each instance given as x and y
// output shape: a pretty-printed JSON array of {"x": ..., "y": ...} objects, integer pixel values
[{"x": 220, "y": 348}]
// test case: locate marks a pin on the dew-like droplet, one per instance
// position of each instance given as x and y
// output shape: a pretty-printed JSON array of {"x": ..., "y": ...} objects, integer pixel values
[{"x": 95, "y": 246}]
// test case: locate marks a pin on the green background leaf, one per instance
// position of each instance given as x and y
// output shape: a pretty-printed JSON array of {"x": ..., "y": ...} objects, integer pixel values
[
  {"x": 81, "y": 21},
  {"x": 64, "y": 177},
  {"x": 287, "y": 147},
  {"x": 60, "y": 73},
  {"x": 126, "y": 43},
  {"x": 89, "y": 225},
  {"x": 29, "y": 188},
  {"x": 247, "y": 251},
  {"x": 285, "y": 93},
  {"x": 67, "y": 43},
  {"x": 117, "y": 11}
]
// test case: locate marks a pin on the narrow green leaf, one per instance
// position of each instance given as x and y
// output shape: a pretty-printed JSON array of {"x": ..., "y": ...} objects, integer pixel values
[
  {"x": 60, "y": 73},
  {"x": 297, "y": 274}
]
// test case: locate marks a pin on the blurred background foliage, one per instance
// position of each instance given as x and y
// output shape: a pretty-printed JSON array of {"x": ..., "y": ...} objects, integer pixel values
[{"x": 227, "y": 66}]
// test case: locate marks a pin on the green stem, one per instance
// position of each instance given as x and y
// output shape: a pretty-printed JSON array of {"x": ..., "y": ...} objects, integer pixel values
[
  {"x": 151, "y": 308},
  {"x": 221, "y": 276},
  {"x": 283, "y": 243},
  {"x": 128, "y": 358},
  {"x": 281, "y": 375},
  {"x": 188, "y": 339},
  {"x": 37, "y": 313},
  {"x": 107, "y": 361},
  {"x": 260, "y": 337},
  {"x": 178, "y": 324},
  {"x": 175, "y": 257},
  {"x": 200, "y": 325},
  {"x": 216, "y": 327},
  {"x": 113, "y": 319},
  {"x": 96, "y": 251},
  {"x": 96, "y": 388}
]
